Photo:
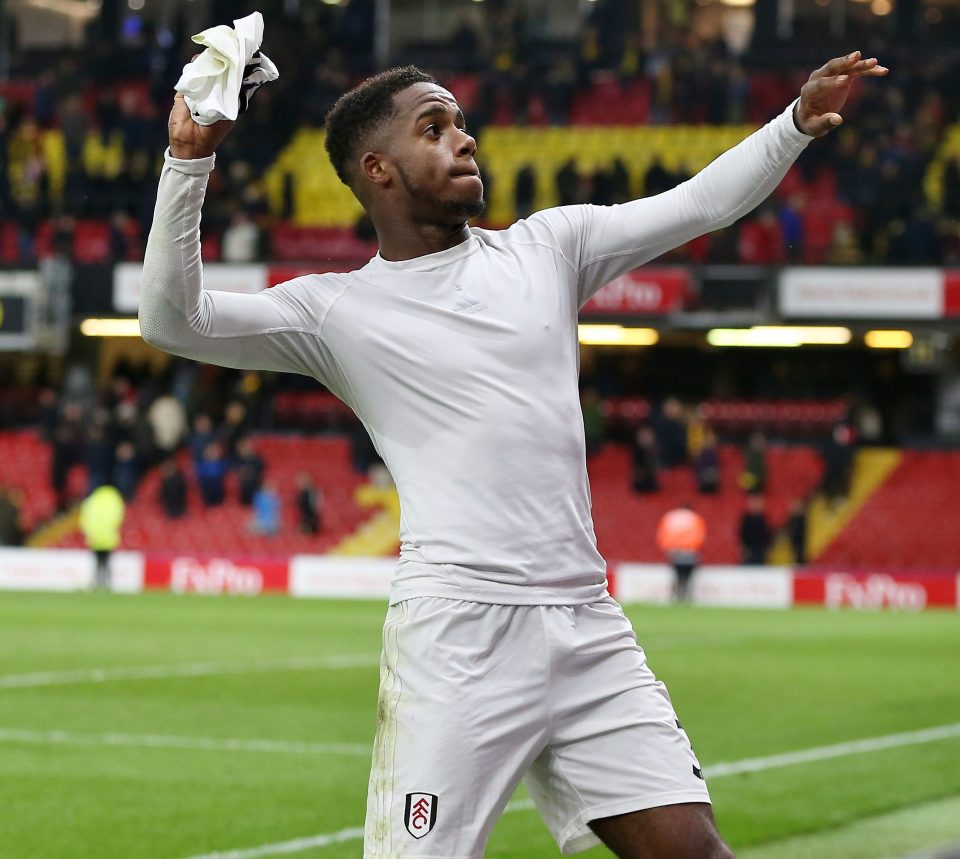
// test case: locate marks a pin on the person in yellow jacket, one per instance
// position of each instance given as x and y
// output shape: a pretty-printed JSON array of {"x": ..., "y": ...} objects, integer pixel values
[{"x": 101, "y": 515}]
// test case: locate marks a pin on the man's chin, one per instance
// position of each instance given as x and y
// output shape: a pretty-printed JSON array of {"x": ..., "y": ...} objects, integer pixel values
[{"x": 467, "y": 209}]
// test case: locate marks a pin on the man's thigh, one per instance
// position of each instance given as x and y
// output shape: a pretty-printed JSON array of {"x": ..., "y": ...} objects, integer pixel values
[
  {"x": 686, "y": 831},
  {"x": 616, "y": 746},
  {"x": 461, "y": 717}
]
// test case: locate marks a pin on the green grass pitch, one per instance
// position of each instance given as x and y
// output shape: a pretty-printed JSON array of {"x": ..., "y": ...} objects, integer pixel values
[{"x": 164, "y": 727}]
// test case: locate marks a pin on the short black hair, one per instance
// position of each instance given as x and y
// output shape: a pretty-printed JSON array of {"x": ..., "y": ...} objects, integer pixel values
[{"x": 363, "y": 110}]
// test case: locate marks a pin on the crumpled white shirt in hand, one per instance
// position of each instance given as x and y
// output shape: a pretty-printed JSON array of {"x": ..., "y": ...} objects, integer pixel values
[{"x": 219, "y": 83}]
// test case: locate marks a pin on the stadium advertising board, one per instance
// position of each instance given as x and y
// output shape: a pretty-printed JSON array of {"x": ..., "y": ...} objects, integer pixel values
[
  {"x": 908, "y": 590},
  {"x": 750, "y": 587},
  {"x": 647, "y": 583},
  {"x": 951, "y": 292},
  {"x": 642, "y": 292},
  {"x": 212, "y": 574},
  {"x": 746, "y": 587},
  {"x": 46, "y": 569},
  {"x": 334, "y": 577},
  {"x": 862, "y": 293}
]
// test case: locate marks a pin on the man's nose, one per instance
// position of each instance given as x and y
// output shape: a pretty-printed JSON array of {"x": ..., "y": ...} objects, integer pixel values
[{"x": 468, "y": 146}]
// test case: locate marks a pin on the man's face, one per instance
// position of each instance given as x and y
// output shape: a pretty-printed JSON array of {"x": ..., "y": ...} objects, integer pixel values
[{"x": 434, "y": 156}]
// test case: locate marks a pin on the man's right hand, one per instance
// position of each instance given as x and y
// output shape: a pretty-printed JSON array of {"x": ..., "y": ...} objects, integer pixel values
[{"x": 188, "y": 139}]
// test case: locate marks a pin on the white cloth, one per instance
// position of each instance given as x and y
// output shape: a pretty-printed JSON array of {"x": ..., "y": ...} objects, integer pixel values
[
  {"x": 475, "y": 697},
  {"x": 219, "y": 83},
  {"x": 461, "y": 364}
]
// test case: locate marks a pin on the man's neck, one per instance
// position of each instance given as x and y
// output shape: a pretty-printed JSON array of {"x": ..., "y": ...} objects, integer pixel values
[{"x": 400, "y": 242}]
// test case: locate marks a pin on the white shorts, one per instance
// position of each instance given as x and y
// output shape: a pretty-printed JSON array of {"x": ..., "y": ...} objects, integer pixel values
[{"x": 475, "y": 697}]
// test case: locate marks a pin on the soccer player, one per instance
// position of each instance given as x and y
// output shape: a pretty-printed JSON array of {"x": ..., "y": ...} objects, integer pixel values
[{"x": 504, "y": 657}]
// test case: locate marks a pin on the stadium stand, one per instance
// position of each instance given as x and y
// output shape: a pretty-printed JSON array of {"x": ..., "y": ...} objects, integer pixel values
[
  {"x": 225, "y": 528},
  {"x": 626, "y": 522},
  {"x": 904, "y": 522}
]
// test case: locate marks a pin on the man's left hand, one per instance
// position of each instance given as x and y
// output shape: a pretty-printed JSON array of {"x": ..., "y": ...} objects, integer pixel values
[{"x": 825, "y": 93}]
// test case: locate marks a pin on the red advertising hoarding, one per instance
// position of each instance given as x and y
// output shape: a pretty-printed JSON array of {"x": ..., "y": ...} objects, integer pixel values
[
  {"x": 643, "y": 292},
  {"x": 908, "y": 590},
  {"x": 212, "y": 574}
]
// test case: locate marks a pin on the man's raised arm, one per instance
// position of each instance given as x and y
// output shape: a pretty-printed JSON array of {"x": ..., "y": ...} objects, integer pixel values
[
  {"x": 268, "y": 331},
  {"x": 607, "y": 241}
]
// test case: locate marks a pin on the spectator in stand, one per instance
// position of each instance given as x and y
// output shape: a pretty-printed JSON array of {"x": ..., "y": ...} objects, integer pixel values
[
  {"x": 680, "y": 536},
  {"x": 309, "y": 504},
  {"x": 754, "y": 477},
  {"x": 671, "y": 432},
  {"x": 594, "y": 427},
  {"x": 131, "y": 425},
  {"x": 838, "y": 457},
  {"x": 951, "y": 188},
  {"x": 797, "y": 530},
  {"x": 126, "y": 470},
  {"x": 168, "y": 424},
  {"x": 525, "y": 191},
  {"x": 120, "y": 243},
  {"x": 49, "y": 413},
  {"x": 791, "y": 226},
  {"x": 201, "y": 436},
  {"x": 101, "y": 517},
  {"x": 760, "y": 241},
  {"x": 248, "y": 466},
  {"x": 241, "y": 240},
  {"x": 657, "y": 179},
  {"x": 67, "y": 448},
  {"x": 173, "y": 490},
  {"x": 706, "y": 465},
  {"x": 266, "y": 511},
  {"x": 568, "y": 183},
  {"x": 646, "y": 460},
  {"x": 844, "y": 248},
  {"x": 211, "y": 472},
  {"x": 755, "y": 536},
  {"x": 235, "y": 427},
  {"x": 99, "y": 455},
  {"x": 560, "y": 89},
  {"x": 11, "y": 531}
]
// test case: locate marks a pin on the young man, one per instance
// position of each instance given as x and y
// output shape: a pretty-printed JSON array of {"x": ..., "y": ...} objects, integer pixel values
[{"x": 503, "y": 655}]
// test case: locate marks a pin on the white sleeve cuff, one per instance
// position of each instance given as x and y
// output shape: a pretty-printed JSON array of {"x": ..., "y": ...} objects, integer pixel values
[{"x": 190, "y": 166}]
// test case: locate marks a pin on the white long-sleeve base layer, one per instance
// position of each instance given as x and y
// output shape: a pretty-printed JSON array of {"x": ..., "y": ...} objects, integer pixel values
[{"x": 461, "y": 364}]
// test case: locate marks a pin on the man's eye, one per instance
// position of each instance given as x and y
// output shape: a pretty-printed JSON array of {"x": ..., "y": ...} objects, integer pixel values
[{"x": 432, "y": 130}]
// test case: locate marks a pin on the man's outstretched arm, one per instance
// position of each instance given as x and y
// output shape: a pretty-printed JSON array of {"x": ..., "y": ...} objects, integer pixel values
[
  {"x": 607, "y": 241},
  {"x": 273, "y": 330}
]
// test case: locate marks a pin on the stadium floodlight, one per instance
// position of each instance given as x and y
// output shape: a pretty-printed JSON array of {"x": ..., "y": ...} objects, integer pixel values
[
  {"x": 616, "y": 335},
  {"x": 110, "y": 327},
  {"x": 888, "y": 339},
  {"x": 780, "y": 336}
]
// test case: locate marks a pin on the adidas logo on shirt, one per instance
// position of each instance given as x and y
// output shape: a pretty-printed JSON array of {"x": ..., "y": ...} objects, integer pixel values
[{"x": 466, "y": 303}]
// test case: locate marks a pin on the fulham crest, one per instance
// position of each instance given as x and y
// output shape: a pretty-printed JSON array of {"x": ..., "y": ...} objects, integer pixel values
[{"x": 420, "y": 815}]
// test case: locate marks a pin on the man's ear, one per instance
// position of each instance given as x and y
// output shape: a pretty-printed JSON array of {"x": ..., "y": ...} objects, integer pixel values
[{"x": 374, "y": 167}]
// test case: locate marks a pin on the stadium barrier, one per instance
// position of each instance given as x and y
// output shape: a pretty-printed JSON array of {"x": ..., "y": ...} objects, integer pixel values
[{"x": 334, "y": 577}]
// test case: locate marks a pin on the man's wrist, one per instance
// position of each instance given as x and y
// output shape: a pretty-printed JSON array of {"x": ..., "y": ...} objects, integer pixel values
[
  {"x": 796, "y": 120},
  {"x": 188, "y": 153}
]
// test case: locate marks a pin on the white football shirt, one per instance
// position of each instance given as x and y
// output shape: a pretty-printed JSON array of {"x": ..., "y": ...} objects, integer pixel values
[{"x": 461, "y": 364}]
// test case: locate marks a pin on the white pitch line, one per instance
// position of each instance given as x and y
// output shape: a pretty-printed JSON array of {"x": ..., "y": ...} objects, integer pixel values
[
  {"x": 298, "y": 845},
  {"x": 159, "y": 741},
  {"x": 839, "y": 750},
  {"x": 187, "y": 669},
  {"x": 819, "y": 753}
]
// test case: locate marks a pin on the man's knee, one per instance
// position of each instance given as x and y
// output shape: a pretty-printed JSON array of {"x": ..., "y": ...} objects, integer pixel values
[{"x": 671, "y": 832}]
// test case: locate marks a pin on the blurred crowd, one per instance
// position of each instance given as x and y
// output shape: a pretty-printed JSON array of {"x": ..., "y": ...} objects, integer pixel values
[
  {"x": 676, "y": 437},
  {"x": 82, "y": 136},
  {"x": 198, "y": 438}
]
